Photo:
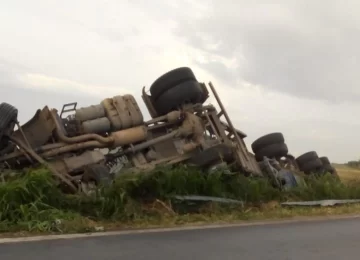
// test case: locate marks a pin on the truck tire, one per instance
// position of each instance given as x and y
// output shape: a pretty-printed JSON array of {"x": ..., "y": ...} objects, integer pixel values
[
  {"x": 169, "y": 80},
  {"x": 328, "y": 168},
  {"x": 8, "y": 118},
  {"x": 325, "y": 160},
  {"x": 97, "y": 173},
  {"x": 266, "y": 140},
  {"x": 173, "y": 98},
  {"x": 212, "y": 156},
  {"x": 309, "y": 156},
  {"x": 271, "y": 151},
  {"x": 311, "y": 166}
]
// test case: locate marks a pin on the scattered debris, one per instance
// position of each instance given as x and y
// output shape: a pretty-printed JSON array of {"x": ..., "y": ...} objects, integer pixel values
[
  {"x": 322, "y": 203},
  {"x": 208, "y": 199},
  {"x": 99, "y": 229}
]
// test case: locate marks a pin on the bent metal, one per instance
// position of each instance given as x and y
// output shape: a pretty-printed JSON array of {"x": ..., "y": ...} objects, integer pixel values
[{"x": 86, "y": 146}]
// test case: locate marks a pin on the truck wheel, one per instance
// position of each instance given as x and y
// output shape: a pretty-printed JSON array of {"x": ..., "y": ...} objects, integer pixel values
[
  {"x": 325, "y": 160},
  {"x": 188, "y": 92},
  {"x": 8, "y": 118},
  {"x": 271, "y": 151},
  {"x": 171, "y": 79},
  {"x": 309, "y": 156},
  {"x": 328, "y": 168},
  {"x": 266, "y": 140},
  {"x": 311, "y": 166},
  {"x": 212, "y": 156},
  {"x": 95, "y": 175}
]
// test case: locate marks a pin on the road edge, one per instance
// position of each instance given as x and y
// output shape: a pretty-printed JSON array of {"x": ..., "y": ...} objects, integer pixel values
[{"x": 175, "y": 229}]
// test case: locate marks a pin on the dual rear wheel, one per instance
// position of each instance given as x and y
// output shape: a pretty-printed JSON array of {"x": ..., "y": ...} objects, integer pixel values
[
  {"x": 271, "y": 145},
  {"x": 309, "y": 162},
  {"x": 174, "y": 89}
]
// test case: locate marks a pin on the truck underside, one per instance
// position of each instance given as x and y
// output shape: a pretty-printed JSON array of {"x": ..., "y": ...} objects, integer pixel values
[{"x": 90, "y": 143}]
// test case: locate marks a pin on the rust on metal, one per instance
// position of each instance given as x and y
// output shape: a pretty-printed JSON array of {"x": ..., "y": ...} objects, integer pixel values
[
  {"x": 129, "y": 136},
  {"x": 115, "y": 129},
  {"x": 63, "y": 177},
  {"x": 80, "y": 138},
  {"x": 149, "y": 104}
]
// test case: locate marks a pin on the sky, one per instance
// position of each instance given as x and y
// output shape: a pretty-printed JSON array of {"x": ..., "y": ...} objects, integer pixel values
[{"x": 279, "y": 66}]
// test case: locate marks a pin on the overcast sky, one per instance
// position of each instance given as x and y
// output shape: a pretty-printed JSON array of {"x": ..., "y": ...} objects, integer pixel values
[{"x": 288, "y": 66}]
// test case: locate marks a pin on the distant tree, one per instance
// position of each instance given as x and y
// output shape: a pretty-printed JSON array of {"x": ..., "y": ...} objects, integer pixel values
[{"x": 355, "y": 164}]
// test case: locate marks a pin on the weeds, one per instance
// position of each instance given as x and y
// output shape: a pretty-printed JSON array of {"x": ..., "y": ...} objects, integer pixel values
[{"x": 32, "y": 201}]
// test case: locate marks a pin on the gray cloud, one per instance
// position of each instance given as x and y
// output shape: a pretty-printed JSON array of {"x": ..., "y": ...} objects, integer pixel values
[
  {"x": 305, "y": 50},
  {"x": 8, "y": 75},
  {"x": 85, "y": 51},
  {"x": 219, "y": 70},
  {"x": 28, "y": 100}
]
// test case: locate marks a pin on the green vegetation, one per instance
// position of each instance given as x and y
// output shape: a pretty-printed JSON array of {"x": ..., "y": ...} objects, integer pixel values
[{"x": 31, "y": 202}]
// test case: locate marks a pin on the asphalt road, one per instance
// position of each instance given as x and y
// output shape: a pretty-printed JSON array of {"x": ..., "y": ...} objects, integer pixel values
[{"x": 335, "y": 239}]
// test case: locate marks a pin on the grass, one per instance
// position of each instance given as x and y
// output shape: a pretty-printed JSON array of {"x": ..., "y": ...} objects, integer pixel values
[
  {"x": 348, "y": 173},
  {"x": 32, "y": 203}
]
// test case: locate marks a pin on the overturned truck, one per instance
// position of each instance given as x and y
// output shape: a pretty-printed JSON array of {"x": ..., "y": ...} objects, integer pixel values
[{"x": 84, "y": 146}]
